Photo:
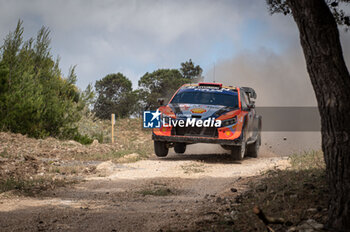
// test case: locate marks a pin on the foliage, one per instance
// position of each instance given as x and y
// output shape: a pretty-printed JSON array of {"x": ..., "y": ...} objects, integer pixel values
[
  {"x": 190, "y": 71},
  {"x": 115, "y": 95},
  {"x": 281, "y": 6},
  {"x": 93, "y": 127},
  {"x": 88, "y": 97},
  {"x": 34, "y": 97},
  {"x": 83, "y": 139},
  {"x": 161, "y": 83}
]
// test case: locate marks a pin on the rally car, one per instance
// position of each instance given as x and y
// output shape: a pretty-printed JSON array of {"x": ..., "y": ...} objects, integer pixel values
[{"x": 210, "y": 113}]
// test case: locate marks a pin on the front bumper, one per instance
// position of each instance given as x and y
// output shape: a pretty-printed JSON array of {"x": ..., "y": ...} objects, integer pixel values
[{"x": 194, "y": 139}]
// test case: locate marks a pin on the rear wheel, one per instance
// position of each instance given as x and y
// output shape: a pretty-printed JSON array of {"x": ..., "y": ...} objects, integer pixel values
[
  {"x": 160, "y": 148},
  {"x": 180, "y": 147},
  {"x": 238, "y": 152},
  {"x": 253, "y": 149}
]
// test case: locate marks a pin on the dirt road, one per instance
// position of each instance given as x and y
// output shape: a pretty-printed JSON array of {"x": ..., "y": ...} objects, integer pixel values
[{"x": 173, "y": 193}]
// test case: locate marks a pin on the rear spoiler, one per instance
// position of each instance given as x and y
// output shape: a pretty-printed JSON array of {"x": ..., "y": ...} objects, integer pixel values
[{"x": 251, "y": 92}]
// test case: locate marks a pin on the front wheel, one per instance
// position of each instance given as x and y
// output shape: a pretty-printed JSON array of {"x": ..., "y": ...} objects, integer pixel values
[
  {"x": 180, "y": 147},
  {"x": 161, "y": 149},
  {"x": 238, "y": 152}
]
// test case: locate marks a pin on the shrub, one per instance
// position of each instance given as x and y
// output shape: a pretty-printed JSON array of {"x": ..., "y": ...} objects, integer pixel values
[{"x": 34, "y": 97}]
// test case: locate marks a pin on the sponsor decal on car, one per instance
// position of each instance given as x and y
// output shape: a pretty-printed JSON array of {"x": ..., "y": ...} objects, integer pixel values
[{"x": 198, "y": 111}]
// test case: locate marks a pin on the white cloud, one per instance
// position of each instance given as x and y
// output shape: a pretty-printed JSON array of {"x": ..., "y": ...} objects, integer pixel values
[{"x": 127, "y": 34}]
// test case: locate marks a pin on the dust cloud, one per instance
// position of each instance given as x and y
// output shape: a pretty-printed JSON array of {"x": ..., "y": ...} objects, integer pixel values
[{"x": 280, "y": 80}]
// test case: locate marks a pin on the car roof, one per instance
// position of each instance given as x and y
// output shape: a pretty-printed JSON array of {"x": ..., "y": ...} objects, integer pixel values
[{"x": 223, "y": 86}]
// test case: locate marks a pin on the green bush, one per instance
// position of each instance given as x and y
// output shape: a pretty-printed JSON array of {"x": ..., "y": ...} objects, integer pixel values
[
  {"x": 35, "y": 99},
  {"x": 83, "y": 139}
]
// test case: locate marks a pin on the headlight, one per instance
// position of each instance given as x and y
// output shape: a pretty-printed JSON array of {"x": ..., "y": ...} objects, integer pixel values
[{"x": 229, "y": 122}]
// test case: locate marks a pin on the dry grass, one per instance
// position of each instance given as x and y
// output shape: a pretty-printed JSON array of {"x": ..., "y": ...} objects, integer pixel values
[
  {"x": 294, "y": 194},
  {"x": 160, "y": 191},
  {"x": 307, "y": 160},
  {"x": 30, "y": 187},
  {"x": 26, "y": 162},
  {"x": 193, "y": 168},
  {"x": 124, "y": 129},
  {"x": 130, "y": 138}
]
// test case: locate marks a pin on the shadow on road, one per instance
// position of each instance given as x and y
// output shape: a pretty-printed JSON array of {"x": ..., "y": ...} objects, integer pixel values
[
  {"x": 206, "y": 158},
  {"x": 207, "y": 153},
  {"x": 111, "y": 206}
]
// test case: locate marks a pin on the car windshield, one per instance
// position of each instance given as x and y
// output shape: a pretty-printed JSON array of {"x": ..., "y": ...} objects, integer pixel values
[{"x": 209, "y": 97}]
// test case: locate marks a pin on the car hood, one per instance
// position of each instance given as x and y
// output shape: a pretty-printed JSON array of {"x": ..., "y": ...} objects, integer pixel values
[{"x": 199, "y": 111}]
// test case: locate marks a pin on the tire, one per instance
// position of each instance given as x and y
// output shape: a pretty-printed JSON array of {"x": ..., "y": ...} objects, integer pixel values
[
  {"x": 253, "y": 149},
  {"x": 180, "y": 148},
  {"x": 238, "y": 152},
  {"x": 160, "y": 148}
]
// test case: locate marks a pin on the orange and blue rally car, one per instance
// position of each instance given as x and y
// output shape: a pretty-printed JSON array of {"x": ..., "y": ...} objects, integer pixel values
[{"x": 209, "y": 113}]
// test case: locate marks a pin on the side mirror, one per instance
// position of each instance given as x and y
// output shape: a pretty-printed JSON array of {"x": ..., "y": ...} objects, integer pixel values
[{"x": 160, "y": 101}]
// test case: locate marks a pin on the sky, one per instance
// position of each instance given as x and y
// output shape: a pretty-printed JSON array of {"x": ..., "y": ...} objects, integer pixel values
[{"x": 247, "y": 45}]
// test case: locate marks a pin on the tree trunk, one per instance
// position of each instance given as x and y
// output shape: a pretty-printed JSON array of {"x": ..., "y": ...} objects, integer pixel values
[{"x": 319, "y": 37}]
